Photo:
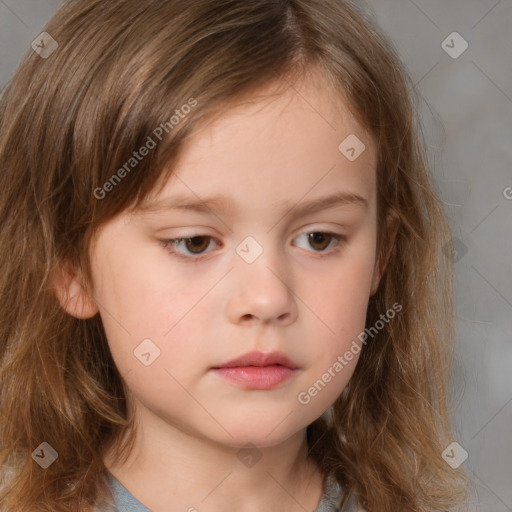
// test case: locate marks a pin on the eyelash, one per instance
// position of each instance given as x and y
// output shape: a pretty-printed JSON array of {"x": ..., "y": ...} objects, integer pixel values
[{"x": 169, "y": 245}]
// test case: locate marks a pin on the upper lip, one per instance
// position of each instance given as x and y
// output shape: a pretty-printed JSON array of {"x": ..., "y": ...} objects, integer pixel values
[{"x": 257, "y": 358}]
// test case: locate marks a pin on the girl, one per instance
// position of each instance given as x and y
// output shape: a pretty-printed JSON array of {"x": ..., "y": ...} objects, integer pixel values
[{"x": 222, "y": 282}]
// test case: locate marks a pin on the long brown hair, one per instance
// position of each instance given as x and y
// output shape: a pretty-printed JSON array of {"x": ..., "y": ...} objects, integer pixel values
[{"x": 70, "y": 119}]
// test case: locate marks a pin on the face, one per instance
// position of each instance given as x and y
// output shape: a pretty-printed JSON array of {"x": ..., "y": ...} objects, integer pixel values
[{"x": 257, "y": 272}]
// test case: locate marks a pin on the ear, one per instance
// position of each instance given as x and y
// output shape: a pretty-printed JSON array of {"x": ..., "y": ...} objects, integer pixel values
[
  {"x": 393, "y": 223},
  {"x": 73, "y": 298}
]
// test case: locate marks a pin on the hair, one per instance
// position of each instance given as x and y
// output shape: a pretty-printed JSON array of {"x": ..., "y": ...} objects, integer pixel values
[{"x": 71, "y": 120}]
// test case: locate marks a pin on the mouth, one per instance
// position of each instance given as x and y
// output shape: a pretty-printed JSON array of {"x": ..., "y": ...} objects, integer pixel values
[
  {"x": 260, "y": 359},
  {"x": 257, "y": 370}
]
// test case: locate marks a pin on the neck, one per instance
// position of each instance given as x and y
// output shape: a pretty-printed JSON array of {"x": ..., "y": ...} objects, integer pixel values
[{"x": 168, "y": 467}]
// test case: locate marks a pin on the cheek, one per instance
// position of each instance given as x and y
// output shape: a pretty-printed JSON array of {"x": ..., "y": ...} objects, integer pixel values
[
  {"x": 333, "y": 355},
  {"x": 340, "y": 297},
  {"x": 340, "y": 306},
  {"x": 142, "y": 292},
  {"x": 151, "y": 314}
]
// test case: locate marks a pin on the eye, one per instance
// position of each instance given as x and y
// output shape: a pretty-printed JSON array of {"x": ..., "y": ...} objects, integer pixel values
[
  {"x": 196, "y": 246},
  {"x": 321, "y": 240}
]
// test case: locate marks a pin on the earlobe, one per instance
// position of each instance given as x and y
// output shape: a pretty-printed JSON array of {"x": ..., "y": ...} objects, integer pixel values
[
  {"x": 393, "y": 223},
  {"x": 71, "y": 295}
]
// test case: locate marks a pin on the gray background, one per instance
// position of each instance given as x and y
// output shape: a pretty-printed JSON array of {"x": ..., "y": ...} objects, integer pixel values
[{"x": 466, "y": 111}]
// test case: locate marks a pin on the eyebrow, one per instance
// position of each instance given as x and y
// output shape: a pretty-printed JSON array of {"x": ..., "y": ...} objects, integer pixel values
[{"x": 225, "y": 204}]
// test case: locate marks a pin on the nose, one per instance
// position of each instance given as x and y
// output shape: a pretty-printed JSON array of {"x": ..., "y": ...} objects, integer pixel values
[{"x": 261, "y": 292}]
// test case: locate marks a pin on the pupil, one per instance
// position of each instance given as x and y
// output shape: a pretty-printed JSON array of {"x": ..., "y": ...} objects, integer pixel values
[
  {"x": 197, "y": 240},
  {"x": 317, "y": 236}
]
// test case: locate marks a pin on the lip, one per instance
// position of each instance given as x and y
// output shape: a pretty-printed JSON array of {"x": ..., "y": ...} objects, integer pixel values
[
  {"x": 256, "y": 370},
  {"x": 257, "y": 358}
]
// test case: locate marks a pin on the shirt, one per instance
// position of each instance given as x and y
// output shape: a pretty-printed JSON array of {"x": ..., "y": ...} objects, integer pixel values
[{"x": 330, "y": 501}]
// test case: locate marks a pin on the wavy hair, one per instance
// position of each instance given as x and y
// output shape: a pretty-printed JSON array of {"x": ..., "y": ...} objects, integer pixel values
[{"x": 69, "y": 121}]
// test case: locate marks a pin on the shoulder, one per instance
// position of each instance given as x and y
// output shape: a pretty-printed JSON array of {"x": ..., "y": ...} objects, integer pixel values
[{"x": 332, "y": 497}]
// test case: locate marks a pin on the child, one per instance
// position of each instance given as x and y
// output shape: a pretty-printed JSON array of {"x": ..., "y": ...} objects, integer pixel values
[{"x": 222, "y": 281}]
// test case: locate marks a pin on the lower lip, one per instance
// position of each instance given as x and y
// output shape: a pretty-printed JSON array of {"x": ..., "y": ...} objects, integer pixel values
[{"x": 256, "y": 377}]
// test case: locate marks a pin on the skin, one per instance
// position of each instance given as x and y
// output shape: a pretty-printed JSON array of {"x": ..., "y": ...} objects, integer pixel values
[{"x": 310, "y": 304}]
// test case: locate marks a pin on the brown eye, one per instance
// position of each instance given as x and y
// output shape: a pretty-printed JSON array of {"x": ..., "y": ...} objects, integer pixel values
[
  {"x": 193, "y": 248},
  {"x": 319, "y": 240},
  {"x": 197, "y": 245}
]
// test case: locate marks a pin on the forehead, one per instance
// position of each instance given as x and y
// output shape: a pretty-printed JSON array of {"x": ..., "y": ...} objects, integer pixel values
[{"x": 273, "y": 147}]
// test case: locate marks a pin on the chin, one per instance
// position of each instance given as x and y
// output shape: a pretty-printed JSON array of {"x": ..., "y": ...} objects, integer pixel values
[{"x": 261, "y": 435}]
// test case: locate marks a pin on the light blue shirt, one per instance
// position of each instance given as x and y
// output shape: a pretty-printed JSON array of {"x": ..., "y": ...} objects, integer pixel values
[{"x": 125, "y": 502}]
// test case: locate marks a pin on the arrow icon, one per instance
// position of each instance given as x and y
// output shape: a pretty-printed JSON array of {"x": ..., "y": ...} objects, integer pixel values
[
  {"x": 352, "y": 147},
  {"x": 249, "y": 455},
  {"x": 44, "y": 45},
  {"x": 44, "y": 455},
  {"x": 454, "y": 45},
  {"x": 147, "y": 352},
  {"x": 454, "y": 455},
  {"x": 249, "y": 253}
]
